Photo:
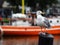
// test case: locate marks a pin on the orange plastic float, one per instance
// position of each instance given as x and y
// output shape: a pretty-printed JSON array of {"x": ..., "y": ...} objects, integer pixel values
[{"x": 28, "y": 30}]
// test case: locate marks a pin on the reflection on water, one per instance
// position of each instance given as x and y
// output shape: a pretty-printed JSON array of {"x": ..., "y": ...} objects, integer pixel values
[
  {"x": 26, "y": 40},
  {"x": 56, "y": 39}
]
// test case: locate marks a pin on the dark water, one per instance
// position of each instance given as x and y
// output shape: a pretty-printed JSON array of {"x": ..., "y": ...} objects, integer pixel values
[{"x": 25, "y": 40}]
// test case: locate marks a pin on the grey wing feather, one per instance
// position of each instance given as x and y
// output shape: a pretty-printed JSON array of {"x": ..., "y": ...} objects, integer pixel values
[{"x": 47, "y": 23}]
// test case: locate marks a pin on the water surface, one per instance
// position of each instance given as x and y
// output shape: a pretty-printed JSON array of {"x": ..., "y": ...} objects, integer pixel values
[{"x": 25, "y": 40}]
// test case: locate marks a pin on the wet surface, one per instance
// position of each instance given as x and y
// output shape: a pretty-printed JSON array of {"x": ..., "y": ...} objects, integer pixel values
[{"x": 25, "y": 40}]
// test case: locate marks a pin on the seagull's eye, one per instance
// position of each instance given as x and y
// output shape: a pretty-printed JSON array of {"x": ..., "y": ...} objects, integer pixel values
[
  {"x": 50, "y": 21},
  {"x": 24, "y": 20},
  {"x": 57, "y": 21}
]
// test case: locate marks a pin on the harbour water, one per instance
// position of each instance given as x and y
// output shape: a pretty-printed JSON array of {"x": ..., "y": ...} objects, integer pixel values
[{"x": 25, "y": 40}]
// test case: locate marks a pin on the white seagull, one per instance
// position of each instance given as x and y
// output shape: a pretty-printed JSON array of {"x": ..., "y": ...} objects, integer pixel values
[{"x": 42, "y": 21}]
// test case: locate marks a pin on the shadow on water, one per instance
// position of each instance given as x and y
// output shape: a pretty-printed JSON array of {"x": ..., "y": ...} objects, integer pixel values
[{"x": 25, "y": 40}]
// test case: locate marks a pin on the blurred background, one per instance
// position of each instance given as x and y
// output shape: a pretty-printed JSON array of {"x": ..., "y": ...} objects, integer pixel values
[{"x": 8, "y": 7}]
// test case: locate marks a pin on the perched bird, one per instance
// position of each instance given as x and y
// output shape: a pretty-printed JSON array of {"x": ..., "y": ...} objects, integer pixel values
[{"x": 42, "y": 21}]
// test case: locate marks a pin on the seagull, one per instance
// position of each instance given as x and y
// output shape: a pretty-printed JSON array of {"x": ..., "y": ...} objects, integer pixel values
[{"x": 42, "y": 21}]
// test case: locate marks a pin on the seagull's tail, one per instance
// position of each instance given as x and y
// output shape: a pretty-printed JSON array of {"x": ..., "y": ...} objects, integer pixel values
[{"x": 48, "y": 25}]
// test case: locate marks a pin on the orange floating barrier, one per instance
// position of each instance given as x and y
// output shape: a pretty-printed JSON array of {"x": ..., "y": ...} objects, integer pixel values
[{"x": 28, "y": 30}]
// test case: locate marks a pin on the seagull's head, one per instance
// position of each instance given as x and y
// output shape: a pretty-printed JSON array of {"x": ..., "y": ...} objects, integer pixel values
[{"x": 38, "y": 12}]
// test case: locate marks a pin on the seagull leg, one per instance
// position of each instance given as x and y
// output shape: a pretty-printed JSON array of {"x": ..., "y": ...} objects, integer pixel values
[
  {"x": 45, "y": 29},
  {"x": 41, "y": 28}
]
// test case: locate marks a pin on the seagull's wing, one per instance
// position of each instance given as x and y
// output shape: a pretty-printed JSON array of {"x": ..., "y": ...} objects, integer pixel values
[{"x": 47, "y": 24}]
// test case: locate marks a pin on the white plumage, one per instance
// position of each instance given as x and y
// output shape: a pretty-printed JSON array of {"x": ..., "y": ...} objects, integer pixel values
[{"x": 42, "y": 21}]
